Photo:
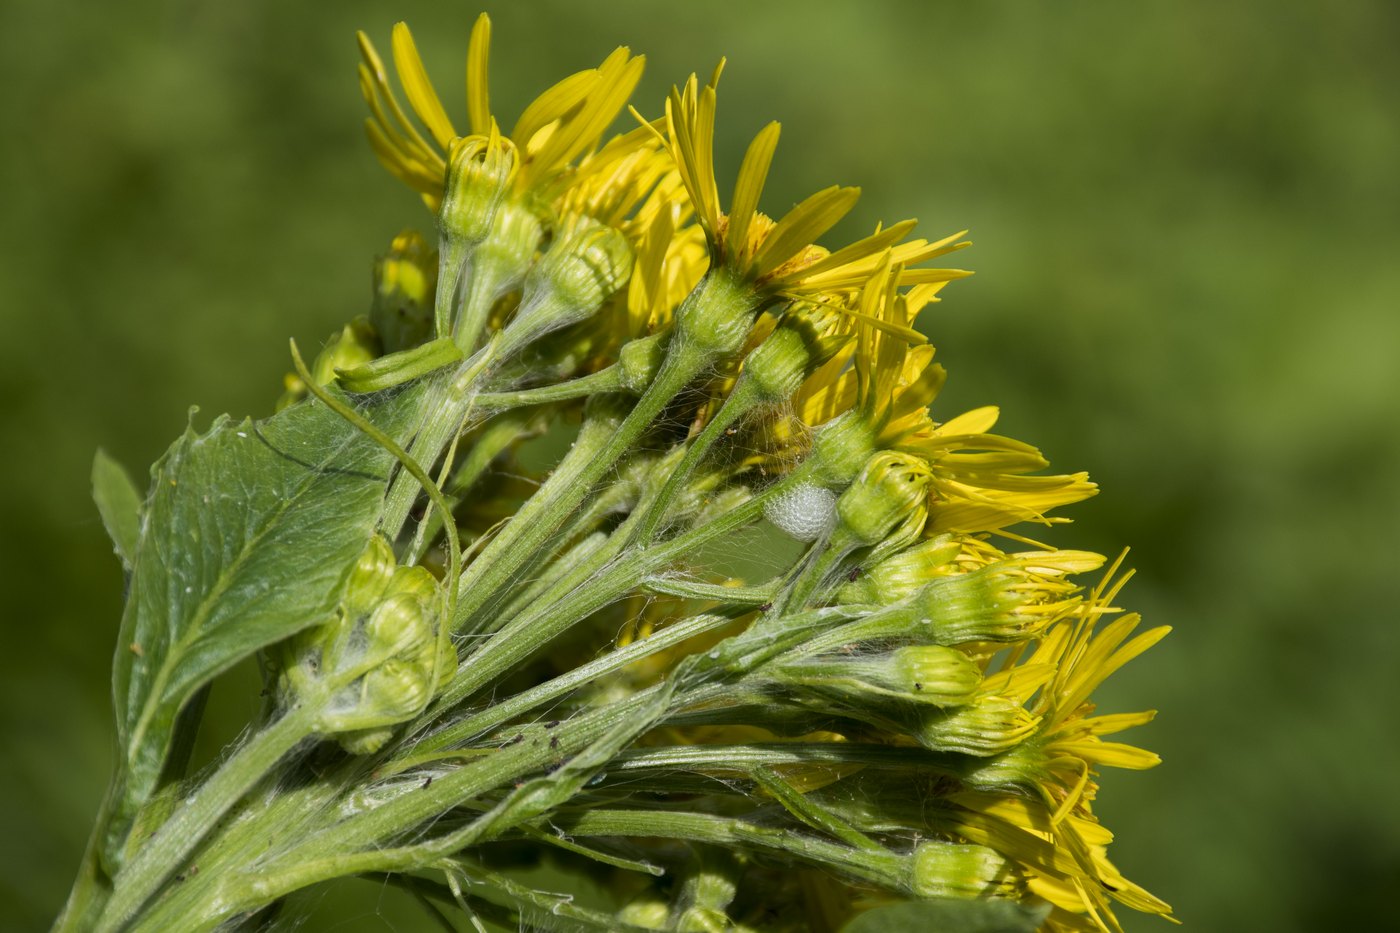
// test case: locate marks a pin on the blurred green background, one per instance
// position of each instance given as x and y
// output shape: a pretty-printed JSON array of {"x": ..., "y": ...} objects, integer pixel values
[{"x": 1186, "y": 218}]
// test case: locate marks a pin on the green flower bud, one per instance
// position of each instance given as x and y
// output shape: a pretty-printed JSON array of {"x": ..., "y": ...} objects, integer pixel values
[
  {"x": 988, "y": 725},
  {"x": 416, "y": 582},
  {"x": 841, "y": 447},
  {"x": 501, "y": 260},
  {"x": 398, "y": 627},
  {"x": 716, "y": 316},
  {"x": 890, "y": 491},
  {"x": 381, "y": 658},
  {"x": 787, "y": 356},
  {"x": 649, "y": 913},
  {"x": 897, "y": 578},
  {"x": 639, "y": 361},
  {"x": 389, "y": 694},
  {"x": 1021, "y": 767},
  {"x": 478, "y": 171},
  {"x": 370, "y": 577},
  {"x": 395, "y": 690},
  {"x": 778, "y": 365},
  {"x": 985, "y": 605},
  {"x": 355, "y": 344},
  {"x": 937, "y": 675},
  {"x": 923, "y": 674},
  {"x": 584, "y": 267},
  {"x": 405, "y": 281},
  {"x": 947, "y": 869}
]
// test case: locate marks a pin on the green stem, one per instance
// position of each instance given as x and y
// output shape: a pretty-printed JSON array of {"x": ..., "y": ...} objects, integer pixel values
[
  {"x": 755, "y": 595},
  {"x": 165, "y": 852},
  {"x": 740, "y": 401},
  {"x": 810, "y": 578},
  {"x": 526, "y": 634},
  {"x": 717, "y": 300},
  {"x": 880, "y": 866},
  {"x": 746, "y": 759},
  {"x": 266, "y": 824},
  {"x": 550, "y": 506},
  {"x": 513, "y": 760},
  {"x": 604, "y": 380},
  {"x": 446, "y": 406},
  {"x": 500, "y": 713}
]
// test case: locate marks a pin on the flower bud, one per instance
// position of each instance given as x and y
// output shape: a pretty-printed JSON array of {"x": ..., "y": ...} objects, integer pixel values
[
  {"x": 947, "y": 869},
  {"x": 502, "y": 259},
  {"x": 395, "y": 690},
  {"x": 986, "y": 726},
  {"x": 584, "y": 267},
  {"x": 397, "y": 627},
  {"x": 891, "y": 491},
  {"x": 389, "y": 694},
  {"x": 923, "y": 674},
  {"x": 381, "y": 658},
  {"x": 405, "y": 281},
  {"x": 985, "y": 605},
  {"x": 638, "y": 362},
  {"x": 478, "y": 172},
  {"x": 716, "y": 316},
  {"x": 937, "y": 675},
  {"x": 778, "y": 366},
  {"x": 896, "y": 578},
  {"x": 370, "y": 577},
  {"x": 840, "y": 447},
  {"x": 648, "y": 913}
]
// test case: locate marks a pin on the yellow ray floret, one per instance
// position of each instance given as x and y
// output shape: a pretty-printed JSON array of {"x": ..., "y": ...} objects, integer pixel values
[
  {"x": 559, "y": 126},
  {"x": 781, "y": 256}
]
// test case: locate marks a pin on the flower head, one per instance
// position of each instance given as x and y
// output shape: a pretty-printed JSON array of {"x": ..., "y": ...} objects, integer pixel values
[
  {"x": 563, "y": 123},
  {"x": 780, "y": 256}
]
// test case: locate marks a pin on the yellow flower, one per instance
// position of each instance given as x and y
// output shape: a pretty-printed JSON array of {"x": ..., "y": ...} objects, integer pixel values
[
  {"x": 1056, "y": 838},
  {"x": 559, "y": 126},
  {"x": 780, "y": 257}
]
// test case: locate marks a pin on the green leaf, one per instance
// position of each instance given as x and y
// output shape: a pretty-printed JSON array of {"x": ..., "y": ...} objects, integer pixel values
[
  {"x": 248, "y": 536},
  {"x": 119, "y": 504},
  {"x": 950, "y": 915}
]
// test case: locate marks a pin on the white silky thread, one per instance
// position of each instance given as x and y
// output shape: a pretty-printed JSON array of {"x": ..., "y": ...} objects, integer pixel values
[{"x": 804, "y": 512}]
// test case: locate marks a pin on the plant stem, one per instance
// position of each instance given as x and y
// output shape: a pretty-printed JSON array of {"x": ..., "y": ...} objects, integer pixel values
[
  {"x": 498, "y": 713},
  {"x": 165, "y": 852},
  {"x": 879, "y": 866},
  {"x": 527, "y": 633},
  {"x": 571, "y": 483},
  {"x": 741, "y": 400},
  {"x": 604, "y": 380}
]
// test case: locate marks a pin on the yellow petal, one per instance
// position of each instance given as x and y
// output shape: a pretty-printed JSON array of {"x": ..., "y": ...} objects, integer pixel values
[
  {"x": 478, "y": 87},
  {"x": 419, "y": 89},
  {"x": 802, "y": 225},
  {"x": 752, "y": 174}
]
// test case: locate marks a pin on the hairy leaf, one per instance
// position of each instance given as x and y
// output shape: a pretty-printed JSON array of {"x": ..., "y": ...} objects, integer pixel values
[{"x": 247, "y": 537}]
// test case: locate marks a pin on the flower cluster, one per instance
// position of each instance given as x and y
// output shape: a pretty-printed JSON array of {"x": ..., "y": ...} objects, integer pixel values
[
  {"x": 768, "y": 368},
  {"x": 756, "y": 645}
]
